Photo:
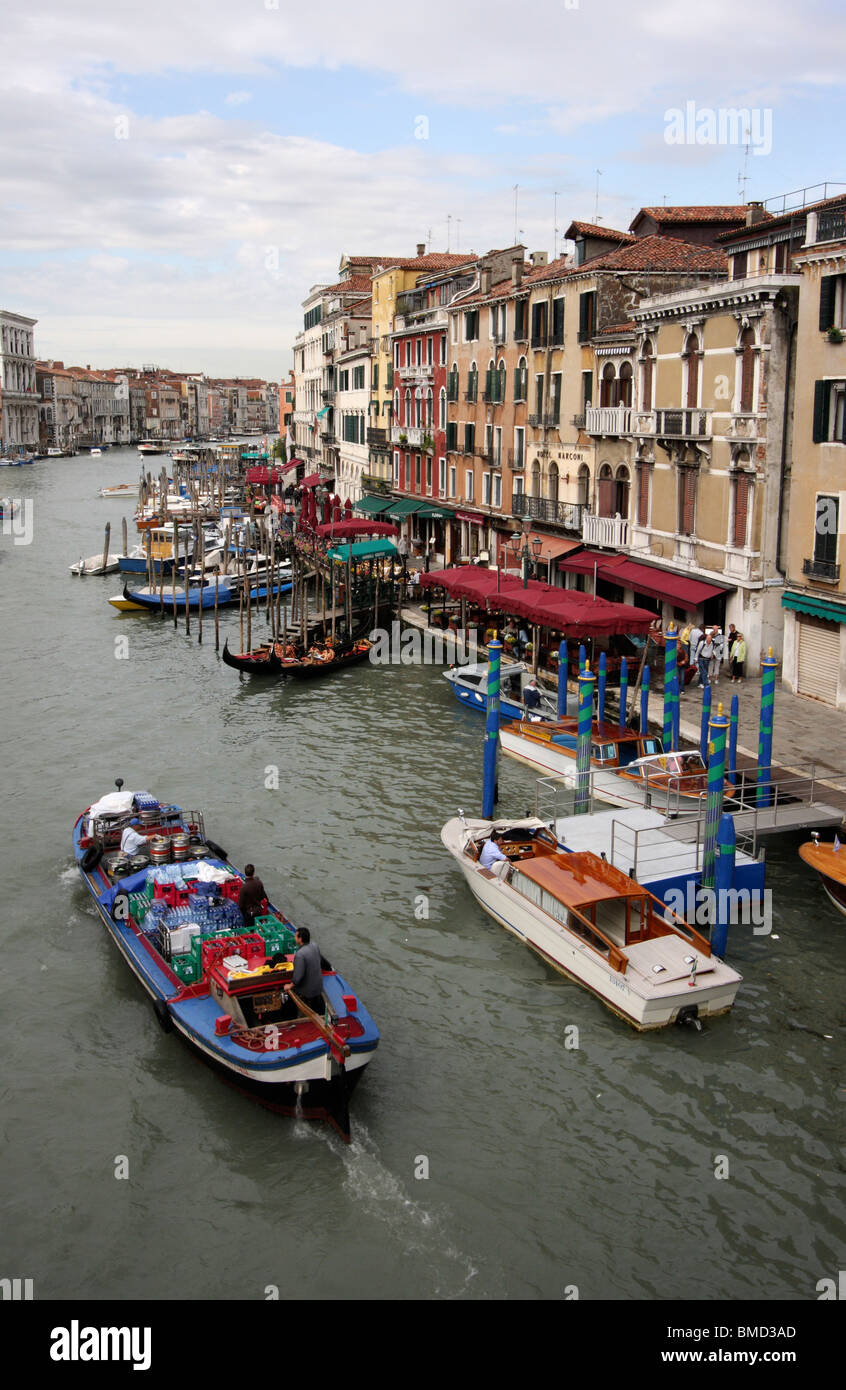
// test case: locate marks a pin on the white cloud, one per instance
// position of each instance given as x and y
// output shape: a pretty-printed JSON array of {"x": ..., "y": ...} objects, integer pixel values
[{"x": 238, "y": 98}]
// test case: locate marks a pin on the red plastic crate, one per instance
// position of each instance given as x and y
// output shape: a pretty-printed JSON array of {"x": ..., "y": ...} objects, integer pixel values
[{"x": 231, "y": 889}]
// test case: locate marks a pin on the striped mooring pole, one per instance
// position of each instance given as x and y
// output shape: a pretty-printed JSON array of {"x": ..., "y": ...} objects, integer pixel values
[
  {"x": 582, "y": 656},
  {"x": 587, "y": 680},
  {"x": 765, "y": 729},
  {"x": 717, "y": 728},
  {"x": 603, "y": 681},
  {"x": 624, "y": 690},
  {"x": 723, "y": 880},
  {"x": 644, "y": 701},
  {"x": 491, "y": 730},
  {"x": 706, "y": 719},
  {"x": 562, "y": 679},
  {"x": 733, "y": 717},
  {"x": 671, "y": 690}
]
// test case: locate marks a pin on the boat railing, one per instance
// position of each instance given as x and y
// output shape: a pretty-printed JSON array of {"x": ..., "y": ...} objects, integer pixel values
[{"x": 107, "y": 830}]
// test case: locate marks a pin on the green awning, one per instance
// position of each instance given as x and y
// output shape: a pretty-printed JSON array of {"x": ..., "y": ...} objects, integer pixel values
[
  {"x": 426, "y": 509},
  {"x": 363, "y": 550},
  {"x": 402, "y": 506},
  {"x": 817, "y": 607},
  {"x": 372, "y": 506}
]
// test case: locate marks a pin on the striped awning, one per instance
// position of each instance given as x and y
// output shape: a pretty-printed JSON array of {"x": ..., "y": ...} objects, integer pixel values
[{"x": 815, "y": 607}]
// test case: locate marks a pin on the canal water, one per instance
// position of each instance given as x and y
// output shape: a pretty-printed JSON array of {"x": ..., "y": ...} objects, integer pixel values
[{"x": 491, "y": 1158}]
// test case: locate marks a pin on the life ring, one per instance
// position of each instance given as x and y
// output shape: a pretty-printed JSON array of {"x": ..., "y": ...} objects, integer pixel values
[
  {"x": 162, "y": 1013},
  {"x": 91, "y": 858}
]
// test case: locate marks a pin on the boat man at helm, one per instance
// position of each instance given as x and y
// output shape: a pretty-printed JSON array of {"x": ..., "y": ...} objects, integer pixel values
[
  {"x": 307, "y": 979},
  {"x": 133, "y": 844},
  {"x": 492, "y": 856}
]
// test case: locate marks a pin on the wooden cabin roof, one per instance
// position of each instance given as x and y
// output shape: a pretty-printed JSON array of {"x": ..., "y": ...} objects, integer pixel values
[
  {"x": 578, "y": 879},
  {"x": 599, "y": 733}
]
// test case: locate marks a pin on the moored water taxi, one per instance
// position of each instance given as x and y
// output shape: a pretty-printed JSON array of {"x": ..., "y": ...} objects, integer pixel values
[
  {"x": 594, "y": 924},
  {"x": 626, "y": 768},
  {"x": 221, "y": 986},
  {"x": 829, "y": 861}
]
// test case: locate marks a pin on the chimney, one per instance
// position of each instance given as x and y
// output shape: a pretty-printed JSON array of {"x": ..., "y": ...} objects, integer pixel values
[
  {"x": 485, "y": 281},
  {"x": 755, "y": 213},
  {"x": 539, "y": 258},
  {"x": 421, "y": 248},
  {"x": 517, "y": 272}
]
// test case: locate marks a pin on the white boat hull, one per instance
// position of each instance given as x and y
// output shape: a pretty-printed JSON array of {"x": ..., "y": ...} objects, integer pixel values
[{"x": 644, "y": 1007}]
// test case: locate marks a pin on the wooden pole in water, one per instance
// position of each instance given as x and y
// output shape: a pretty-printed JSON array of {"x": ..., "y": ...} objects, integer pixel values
[
  {"x": 187, "y": 581},
  {"x": 332, "y": 597},
  {"x": 106, "y": 545},
  {"x": 174, "y": 565},
  {"x": 124, "y": 534},
  {"x": 248, "y": 603},
  {"x": 240, "y": 595},
  {"x": 201, "y": 539}
]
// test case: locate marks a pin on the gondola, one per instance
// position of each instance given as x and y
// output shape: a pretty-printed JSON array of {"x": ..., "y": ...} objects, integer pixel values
[
  {"x": 263, "y": 661},
  {"x": 346, "y": 655}
]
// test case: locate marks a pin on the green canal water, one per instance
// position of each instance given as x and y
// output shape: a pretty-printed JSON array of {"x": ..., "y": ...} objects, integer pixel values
[{"x": 549, "y": 1166}]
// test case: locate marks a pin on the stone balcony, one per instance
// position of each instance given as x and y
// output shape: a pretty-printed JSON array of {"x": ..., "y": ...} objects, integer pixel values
[
  {"x": 421, "y": 371},
  {"x": 608, "y": 420},
  {"x": 609, "y": 531},
  {"x": 677, "y": 423}
]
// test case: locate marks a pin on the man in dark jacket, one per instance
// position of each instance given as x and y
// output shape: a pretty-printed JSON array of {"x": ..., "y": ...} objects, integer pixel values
[
  {"x": 251, "y": 896},
  {"x": 307, "y": 979}
]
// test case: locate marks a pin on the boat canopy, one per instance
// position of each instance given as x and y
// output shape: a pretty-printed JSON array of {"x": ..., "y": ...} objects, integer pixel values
[{"x": 362, "y": 550}]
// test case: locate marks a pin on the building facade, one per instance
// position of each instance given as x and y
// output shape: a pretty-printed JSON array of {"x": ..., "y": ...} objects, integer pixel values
[{"x": 19, "y": 406}]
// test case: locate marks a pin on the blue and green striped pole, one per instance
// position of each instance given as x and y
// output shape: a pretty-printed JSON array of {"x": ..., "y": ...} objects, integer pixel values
[
  {"x": 491, "y": 730},
  {"x": 603, "y": 681},
  {"x": 723, "y": 880},
  {"x": 644, "y": 701},
  {"x": 587, "y": 680},
  {"x": 624, "y": 690},
  {"x": 562, "y": 678},
  {"x": 765, "y": 728},
  {"x": 706, "y": 719},
  {"x": 671, "y": 690},
  {"x": 582, "y": 656},
  {"x": 716, "y": 788},
  {"x": 735, "y": 710}
]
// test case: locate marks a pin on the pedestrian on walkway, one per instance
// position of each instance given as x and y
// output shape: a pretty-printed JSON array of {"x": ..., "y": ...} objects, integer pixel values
[
  {"x": 718, "y": 643},
  {"x": 703, "y": 659},
  {"x": 738, "y": 659},
  {"x": 696, "y": 636}
]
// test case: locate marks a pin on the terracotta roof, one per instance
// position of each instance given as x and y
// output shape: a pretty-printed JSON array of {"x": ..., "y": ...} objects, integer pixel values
[
  {"x": 722, "y": 212},
  {"x": 782, "y": 219},
  {"x": 592, "y": 229},
  {"x": 355, "y": 284},
  {"x": 436, "y": 260},
  {"x": 656, "y": 253}
]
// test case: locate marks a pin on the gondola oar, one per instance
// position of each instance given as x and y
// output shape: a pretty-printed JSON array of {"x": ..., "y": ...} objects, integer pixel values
[{"x": 335, "y": 1045}]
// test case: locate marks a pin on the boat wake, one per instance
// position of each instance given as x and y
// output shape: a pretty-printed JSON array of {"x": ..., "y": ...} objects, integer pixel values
[{"x": 421, "y": 1234}]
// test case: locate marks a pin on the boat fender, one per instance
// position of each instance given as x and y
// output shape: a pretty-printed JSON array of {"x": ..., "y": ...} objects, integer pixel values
[
  {"x": 216, "y": 850},
  {"x": 91, "y": 858},
  {"x": 162, "y": 1013}
]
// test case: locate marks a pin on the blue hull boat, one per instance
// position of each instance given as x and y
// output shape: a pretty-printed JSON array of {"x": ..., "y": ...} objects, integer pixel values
[
  {"x": 225, "y": 994},
  {"x": 470, "y": 687},
  {"x": 198, "y": 597}
]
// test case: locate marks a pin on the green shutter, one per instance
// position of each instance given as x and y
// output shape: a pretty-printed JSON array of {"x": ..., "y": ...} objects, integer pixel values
[
  {"x": 828, "y": 285},
  {"x": 822, "y": 395}
]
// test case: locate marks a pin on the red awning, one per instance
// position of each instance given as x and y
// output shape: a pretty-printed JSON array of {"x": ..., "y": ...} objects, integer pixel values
[
  {"x": 264, "y": 475},
  {"x": 464, "y": 581},
  {"x": 343, "y": 530},
  {"x": 551, "y": 546},
  {"x": 311, "y": 481},
  {"x": 568, "y": 611},
  {"x": 475, "y": 518},
  {"x": 587, "y": 560},
  {"x": 660, "y": 583}
]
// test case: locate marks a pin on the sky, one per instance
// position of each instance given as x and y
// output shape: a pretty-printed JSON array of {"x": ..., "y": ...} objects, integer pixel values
[{"x": 175, "y": 177}]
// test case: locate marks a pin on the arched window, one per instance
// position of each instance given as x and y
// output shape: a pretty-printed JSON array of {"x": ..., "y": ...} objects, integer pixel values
[
  {"x": 500, "y": 393},
  {"x": 692, "y": 352},
  {"x": 397, "y": 406},
  {"x": 621, "y": 491},
  {"x": 473, "y": 382},
  {"x": 605, "y": 499},
  {"x": 521, "y": 380},
  {"x": 607, "y": 384},
  {"x": 536, "y": 479},
  {"x": 418, "y": 407},
  {"x": 442, "y": 405},
  {"x": 747, "y": 370},
  {"x": 553, "y": 482},
  {"x": 429, "y": 408},
  {"x": 584, "y": 485},
  {"x": 625, "y": 385},
  {"x": 490, "y": 383}
]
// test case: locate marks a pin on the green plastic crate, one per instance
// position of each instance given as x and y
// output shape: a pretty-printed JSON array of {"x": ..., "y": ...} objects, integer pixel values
[{"x": 186, "y": 968}]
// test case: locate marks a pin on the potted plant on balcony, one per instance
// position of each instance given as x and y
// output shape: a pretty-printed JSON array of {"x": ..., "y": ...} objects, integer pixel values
[
  {"x": 428, "y": 444},
  {"x": 403, "y": 439},
  {"x": 835, "y": 335}
]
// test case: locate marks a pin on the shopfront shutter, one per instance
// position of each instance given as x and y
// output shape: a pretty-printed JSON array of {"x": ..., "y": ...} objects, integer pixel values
[{"x": 819, "y": 657}]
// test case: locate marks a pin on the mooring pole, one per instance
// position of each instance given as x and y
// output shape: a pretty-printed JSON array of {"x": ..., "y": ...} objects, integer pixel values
[
  {"x": 716, "y": 786},
  {"x": 671, "y": 692},
  {"x": 765, "y": 729},
  {"x": 587, "y": 681},
  {"x": 624, "y": 690},
  {"x": 562, "y": 678},
  {"x": 644, "y": 701},
  {"x": 723, "y": 880},
  {"x": 603, "y": 679},
  {"x": 489, "y": 787},
  {"x": 735, "y": 709},
  {"x": 706, "y": 719}
]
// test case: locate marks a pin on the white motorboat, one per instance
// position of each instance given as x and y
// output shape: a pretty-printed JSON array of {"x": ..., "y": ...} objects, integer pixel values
[
  {"x": 96, "y": 453},
  {"x": 470, "y": 687},
  {"x": 594, "y": 924}
]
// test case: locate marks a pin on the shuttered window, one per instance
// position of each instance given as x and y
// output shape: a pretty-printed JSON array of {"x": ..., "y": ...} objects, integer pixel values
[
  {"x": 587, "y": 315},
  {"x": 828, "y": 290},
  {"x": 693, "y": 372},
  {"x": 747, "y": 370},
  {"x": 644, "y": 474},
  {"x": 742, "y": 488},
  {"x": 822, "y": 398},
  {"x": 687, "y": 500},
  {"x": 825, "y": 529}
]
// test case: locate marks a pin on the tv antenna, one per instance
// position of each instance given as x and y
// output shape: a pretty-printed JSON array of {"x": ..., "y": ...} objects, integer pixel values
[
  {"x": 743, "y": 174},
  {"x": 596, "y": 216},
  {"x": 555, "y": 226},
  {"x": 516, "y": 188}
]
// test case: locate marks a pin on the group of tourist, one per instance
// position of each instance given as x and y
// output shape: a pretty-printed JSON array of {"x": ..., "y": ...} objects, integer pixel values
[{"x": 707, "y": 649}]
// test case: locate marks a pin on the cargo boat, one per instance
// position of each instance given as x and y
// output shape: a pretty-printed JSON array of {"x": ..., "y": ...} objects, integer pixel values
[
  {"x": 594, "y": 924},
  {"x": 219, "y": 985}
]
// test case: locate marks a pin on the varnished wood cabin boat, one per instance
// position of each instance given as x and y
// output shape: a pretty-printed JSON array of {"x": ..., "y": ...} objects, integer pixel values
[
  {"x": 829, "y": 861},
  {"x": 627, "y": 768},
  {"x": 591, "y": 922}
]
